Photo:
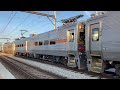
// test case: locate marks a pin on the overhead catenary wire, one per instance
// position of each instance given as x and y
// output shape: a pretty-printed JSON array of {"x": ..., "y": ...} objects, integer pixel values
[
  {"x": 10, "y": 15},
  {"x": 32, "y": 25},
  {"x": 39, "y": 26},
  {"x": 50, "y": 20},
  {"x": 8, "y": 22},
  {"x": 29, "y": 24},
  {"x": 27, "y": 27},
  {"x": 19, "y": 25},
  {"x": 42, "y": 24}
]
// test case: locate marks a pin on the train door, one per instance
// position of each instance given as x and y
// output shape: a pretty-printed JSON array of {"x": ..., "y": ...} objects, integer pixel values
[
  {"x": 26, "y": 46},
  {"x": 71, "y": 47},
  {"x": 71, "y": 40},
  {"x": 95, "y": 42},
  {"x": 81, "y": 47},
  {"x": 95, "y": 47}
]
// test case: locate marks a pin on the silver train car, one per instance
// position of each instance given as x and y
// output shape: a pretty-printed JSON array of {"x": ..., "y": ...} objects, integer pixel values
[
  {"x": 103, "y": 42},
  {"x": 8, "y": 48},
  {"x": 65, "y": 45}
]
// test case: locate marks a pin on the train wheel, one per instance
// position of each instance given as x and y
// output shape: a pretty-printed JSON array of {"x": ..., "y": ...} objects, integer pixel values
[
  {"x": 65, "y": 62},
  {"x": 54, "y": 59}
]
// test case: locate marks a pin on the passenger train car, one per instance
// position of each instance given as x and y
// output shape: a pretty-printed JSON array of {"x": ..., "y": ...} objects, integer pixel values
[
  {"x": 65, "y": 44},
  {"x": 103, "y": 42},
  {"x": 93, "y": 44},
  {"x": 8, "y": 48}
]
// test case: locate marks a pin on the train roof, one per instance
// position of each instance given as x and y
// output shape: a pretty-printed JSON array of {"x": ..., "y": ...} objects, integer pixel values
[
  {"x": 58, "y": 28},
  {"x": 98, "y": 16}
]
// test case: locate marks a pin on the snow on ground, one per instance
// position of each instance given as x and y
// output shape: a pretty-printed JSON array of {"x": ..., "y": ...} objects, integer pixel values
[
  {"x": 4, "y": 73},
  {"x": 111, "y": 70},
  {"x": 69, "y": 74}
]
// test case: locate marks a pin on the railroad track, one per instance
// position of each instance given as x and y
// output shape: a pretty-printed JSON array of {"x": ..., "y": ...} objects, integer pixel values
[
  {"x": 19, "y": 68},
  {"x": 92, "y": 74},
  {"x": 29, "y": 71}
]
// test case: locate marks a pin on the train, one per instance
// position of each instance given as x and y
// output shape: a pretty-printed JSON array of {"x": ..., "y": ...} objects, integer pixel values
[{"x": 92, "y": 45}]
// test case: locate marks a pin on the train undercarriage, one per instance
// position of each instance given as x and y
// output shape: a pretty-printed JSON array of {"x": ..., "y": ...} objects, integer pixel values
[
  {"x": 97, "y": 65},
  {"x": 70, "y": 60}
]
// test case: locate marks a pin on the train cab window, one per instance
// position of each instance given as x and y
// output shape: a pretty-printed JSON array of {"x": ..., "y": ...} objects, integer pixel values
[
  {"x": 95, "y": 34},
  {"x": 46, "y": 42},
  {"x": 36, "y": 43},
  {"x": 40, "y": 43},
  {"x": 52, "y": 42},
  {"x": 71, "y": 35}
]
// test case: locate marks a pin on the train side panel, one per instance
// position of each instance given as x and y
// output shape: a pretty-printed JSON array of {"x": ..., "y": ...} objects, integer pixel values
[
  {"x": 20, "y": 46},
  {"x": 111, "y": 36},
  {"x": 102, "y": 42},
  {"x": 61, "y": 46}
]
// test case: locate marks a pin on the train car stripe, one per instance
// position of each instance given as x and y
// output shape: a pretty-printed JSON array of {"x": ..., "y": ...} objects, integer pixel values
[{"x": 61, "y": 40}]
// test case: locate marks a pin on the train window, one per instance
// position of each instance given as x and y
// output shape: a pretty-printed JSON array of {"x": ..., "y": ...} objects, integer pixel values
[
  {"x": 95, "y": 34},
  {"x": 52, "y": 42},
  {"x": 18, "y": 45},
  {"x": 22, "y": 45},
  {"x": 40, "y": 43},
  {"x": 46, "y": 42},
  {"x": 36, "y": 43},
  {"x": 71, "y": 35}
]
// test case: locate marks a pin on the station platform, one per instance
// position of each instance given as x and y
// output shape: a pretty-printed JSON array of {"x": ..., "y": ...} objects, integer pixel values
[{"x": 4, "y": 73}]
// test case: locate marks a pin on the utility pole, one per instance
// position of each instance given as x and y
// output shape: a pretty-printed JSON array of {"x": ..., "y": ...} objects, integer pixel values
[
  {"x": 55, "y": 20},
  {"x": 42, "y": 14}
]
